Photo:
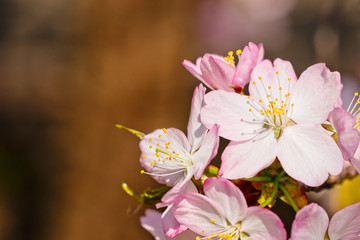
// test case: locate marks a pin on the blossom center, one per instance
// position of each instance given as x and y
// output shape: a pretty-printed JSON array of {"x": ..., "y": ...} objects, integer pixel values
[{"x": 274, "y": 112}]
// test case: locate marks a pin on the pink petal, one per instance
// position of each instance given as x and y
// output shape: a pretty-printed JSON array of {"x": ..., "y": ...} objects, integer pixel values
[
  {"x": 174, "y": 192},
  {"x": 194, "y": 69},
  {"x": 315, "y": 94},
  {"x": 196, "y": 129},
  {"x": 307, "y": 153},
  {"x": 152, "y": 223},
  {"x": 231, "y": 112},
  {"x": 206, "y": 152},
  {"x": 348, "y": 137},
  {"x": 179, "y": 144},
  {"x": 355, "y": 161},
  {"x": 170, "y": 225},
  {"x": 246, "y": 159},
  {"x": 217, "y": 73},
  {"x": 345, "y": 224},
  {"x": 196, "y": 211},
  {"x": 249, "y": 57},
  {"x": 310, "y": 223},
  {"x": 268, "y": 83},
  {"x": 261, "y": 223},
  {"x": 228, "y": 196}
]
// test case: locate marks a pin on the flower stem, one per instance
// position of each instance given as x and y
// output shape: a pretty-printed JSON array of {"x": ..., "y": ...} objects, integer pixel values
[
  {"x": 272, "y": 196},
  {"x": 289, "y": 198},
  {"x": 258, "y": 179}
]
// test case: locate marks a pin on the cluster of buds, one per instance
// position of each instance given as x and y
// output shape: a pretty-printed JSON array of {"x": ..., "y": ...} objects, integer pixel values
[{"x": 287, "y": 135}]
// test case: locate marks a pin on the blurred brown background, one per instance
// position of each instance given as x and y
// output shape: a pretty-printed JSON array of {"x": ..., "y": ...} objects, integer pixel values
[{"x": 70, "y": 70}]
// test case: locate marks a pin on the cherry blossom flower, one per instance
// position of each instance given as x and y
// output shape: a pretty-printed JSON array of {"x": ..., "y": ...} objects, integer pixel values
[
  {"x": 312, "y": 223},
  {"x": 281, "y": 118},
  {"x": 222, "y": 213},
  {"x": 219, "y": 72},
  {"x": 346, "y": 125},
  {"x": 152, "y": 223},
  {"x": 171, "y": 157}
]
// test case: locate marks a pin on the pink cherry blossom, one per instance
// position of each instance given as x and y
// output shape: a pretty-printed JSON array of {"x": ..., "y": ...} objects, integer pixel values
[
  {"x": 218, "y": 72},
  {"x": 312, "y": 223},
  {"x": 346, "y": 125},
  {"x": 171, "y": 157},
  {"x": 348, "y": 136},
  {"x": 222, "y": 213},
  {"x": 281, "y": 118},
  {"x": 152, "y": 223}
]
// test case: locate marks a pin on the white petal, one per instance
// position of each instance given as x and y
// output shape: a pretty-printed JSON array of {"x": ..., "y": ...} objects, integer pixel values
[
  {"x": 310, "y": 223},
  {"x": 261, "y": 223},
  {"x": 345, "y": 224},
  {"x": 315, "y": 94},
  {"x": 196, "y": 129},
  {"x": 228, "y": 196},
  {"x": 246, "y": 159},
  {"x": 307, "y": 153},
  {"x": 231, "y": 112}
]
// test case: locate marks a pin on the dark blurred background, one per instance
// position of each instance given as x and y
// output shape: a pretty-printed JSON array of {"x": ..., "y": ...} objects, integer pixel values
[{"x": 71, "y": 70}]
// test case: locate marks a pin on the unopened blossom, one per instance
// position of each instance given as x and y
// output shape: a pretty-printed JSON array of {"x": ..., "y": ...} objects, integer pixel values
[
  {"x": 346, "y": 124},
  {"x": 281, "y": 119},
  {"x": 173, "y": 159},
  {"x": 152, "y": 223},
  {"x": 312, "y": 223},
  {"x": 222, "y": 213},
  {"x": 219, "y": 72}
]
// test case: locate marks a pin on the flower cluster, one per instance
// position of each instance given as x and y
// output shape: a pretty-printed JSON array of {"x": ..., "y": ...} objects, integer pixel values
[{"x": 287, "y": 133}]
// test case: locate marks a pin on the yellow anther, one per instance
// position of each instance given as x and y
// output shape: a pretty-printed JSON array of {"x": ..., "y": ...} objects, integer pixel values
[
  {"x": 267, "y": 96},
  {"x": 198, "y": 238},
  {"x": 356, "y": 94},
  {"x": 254, "y": 83},
  {"x": 150, "y": 139},
  {"x": 277, "y": 72},
  {"x": 165, "y": 131},
  {"x": 288, "y": 94},
  {"x": 259, "y": 78},
  {"x": 207, "y": 237},
  {"x": 276, "y": 99},
  {"x": 150, "y": 146},
  {"x": 249, "y": 97},
  {"x": 250, "y": 109},
  {"x": 358, "y": 102},
  {"x": 157, "y": 154},
  {"x": 155, "y": 162},
  {"x": 202, "y": 231},
  {"x": 151, "y": 163},
  {"x": 144, "y": 156},
  {"x": 142, "y": 171},
  {"x": 292, "y": 104},
  {"x": 238, "y": 52},
  {"x": 226, "y": 58},
  {"x": 260, "y": 100},
  {"x": 159, "y": 135},
  {"x": 158, "y": 144},
  {"x": 262, "y": 113},
  {"x": 269, "y": 87},
  {"x": 230, "y": 53},
  {"x": 289, "y": 79},
  {"x": 167, "y": 147},
  {"x": 212, "y": 220},
  {"x": 280, "y": 88}
]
